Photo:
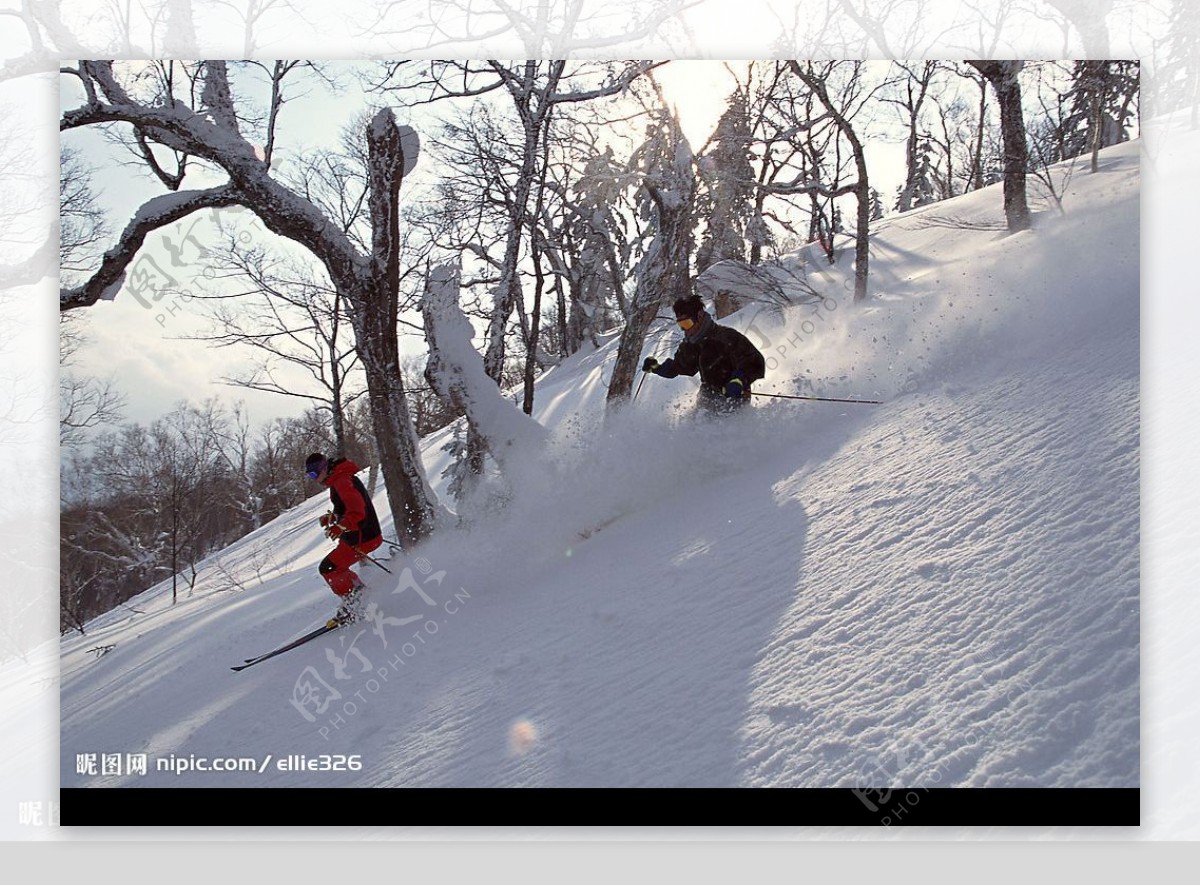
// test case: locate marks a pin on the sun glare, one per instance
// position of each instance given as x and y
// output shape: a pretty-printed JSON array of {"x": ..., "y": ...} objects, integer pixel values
[{"x": 698, "y": 91}]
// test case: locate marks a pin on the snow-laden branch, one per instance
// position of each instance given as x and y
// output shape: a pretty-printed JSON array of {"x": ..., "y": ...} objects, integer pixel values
[
  {"x": 177, "y": 127},
  {"x": 180, "y": 128},
  {"x": 155, "y": 213},
  {"x": 799, "y": 186},
  {"x": 788, "y": 135},
  {"x": 618, "y": 85}
]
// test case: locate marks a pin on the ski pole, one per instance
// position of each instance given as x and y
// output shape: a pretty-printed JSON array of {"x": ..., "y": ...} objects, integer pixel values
[
  {"x": 639, "y": 387},
  {"x": 822, "y": 399},
  {"x": 367, "y": 556}
]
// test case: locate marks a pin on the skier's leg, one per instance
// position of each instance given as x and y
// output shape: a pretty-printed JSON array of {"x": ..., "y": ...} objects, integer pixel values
[{"x": 335, "y": 569}]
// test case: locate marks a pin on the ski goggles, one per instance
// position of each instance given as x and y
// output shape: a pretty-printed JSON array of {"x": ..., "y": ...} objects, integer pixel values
[
  {"x": 314, "y": 471},
  {"x": 685, "y": 323}
]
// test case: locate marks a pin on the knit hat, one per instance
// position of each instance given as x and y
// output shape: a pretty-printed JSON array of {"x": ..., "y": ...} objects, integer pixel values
[
  {"x": 688, "y": 306},
  {"x": 314, "y": 464}
]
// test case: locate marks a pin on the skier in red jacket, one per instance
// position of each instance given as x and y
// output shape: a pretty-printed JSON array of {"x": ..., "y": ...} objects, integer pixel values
[{"x": 352, "y": 523}]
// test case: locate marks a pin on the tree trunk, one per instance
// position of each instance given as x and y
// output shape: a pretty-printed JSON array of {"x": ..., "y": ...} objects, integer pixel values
[
  {"x": 1002, "y": 75},
  {"x": 535, "y": 325},
  {"x": 409, "y": 495},
  {"x": 625, "y": 367},
  {"x": 510, "y": 280},
  {"x": 1016, "y": 155},
  {"x": 977, "y": 172},
  {"x": 1098, "y": 99},
  {"x": 862, "y": 241},
  {"x": 862, "y": 189},
  {"x": 666, "y": 279},
  {"x": 911, "y": 160}
]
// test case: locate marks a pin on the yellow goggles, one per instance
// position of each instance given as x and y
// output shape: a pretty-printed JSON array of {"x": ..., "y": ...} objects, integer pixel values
[{"x": 686, "y": 323}]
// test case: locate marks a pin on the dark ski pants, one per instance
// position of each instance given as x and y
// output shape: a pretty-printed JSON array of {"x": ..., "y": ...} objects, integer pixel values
[
  {"x": 335, "y": 568},
  {"x": 709, "y": 402}
]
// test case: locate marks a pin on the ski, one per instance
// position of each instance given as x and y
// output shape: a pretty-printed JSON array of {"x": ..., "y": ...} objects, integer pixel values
[
  {"x": 585, "y": 534},
  {"x": 299, "y": 641}
]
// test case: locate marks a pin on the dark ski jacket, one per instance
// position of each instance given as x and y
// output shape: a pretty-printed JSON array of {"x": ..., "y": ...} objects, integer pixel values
[
  {"x": 352, "y": 507},
  {"x": 716, "y": 352}
]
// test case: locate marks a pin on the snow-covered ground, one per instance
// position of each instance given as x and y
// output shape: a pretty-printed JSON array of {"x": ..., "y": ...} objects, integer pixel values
[{"x": 939, "y": 590}]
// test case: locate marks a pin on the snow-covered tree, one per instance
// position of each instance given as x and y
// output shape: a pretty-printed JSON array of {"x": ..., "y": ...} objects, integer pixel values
[
  {"x": 666, "y": 204},
  {"x": 456, "y": 372},
  {"x": 601, "y": 249},
  {"x": 535, "y": 92},
  {"x": 909, "y": 94},
  {"x": 209, "y": 128},
  {"x": 726, "y": 201},
  {"x": 923, "y": 187},
  {"x": 509, "y": 165}
]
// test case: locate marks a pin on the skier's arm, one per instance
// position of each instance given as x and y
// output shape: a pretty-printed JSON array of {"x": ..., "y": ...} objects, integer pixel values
[{"x": 685, "y": 362}]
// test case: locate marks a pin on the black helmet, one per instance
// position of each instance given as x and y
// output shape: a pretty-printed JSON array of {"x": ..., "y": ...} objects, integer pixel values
[{"x": 688, "y": 306}]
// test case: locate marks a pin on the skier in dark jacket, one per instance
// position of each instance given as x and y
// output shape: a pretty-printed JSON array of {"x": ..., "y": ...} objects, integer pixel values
[
  {"x": 352, "y": 523},
  {"x": 727, "y": 361}
]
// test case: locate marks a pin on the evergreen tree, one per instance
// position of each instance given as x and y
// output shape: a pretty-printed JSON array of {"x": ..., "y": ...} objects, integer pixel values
[
  {"x": 1100, "y": 106},
  {"x": 924, "y": 187},
  {"x": 876, "y": 205}
]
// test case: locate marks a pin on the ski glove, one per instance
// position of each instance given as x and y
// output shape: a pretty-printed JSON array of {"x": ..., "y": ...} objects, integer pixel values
[
  {"x": 650, "y": 365},
  {"x": 334, "y": 531},
  {"x": 326, "y": 519},
  {"x": 735, "y": 388}
]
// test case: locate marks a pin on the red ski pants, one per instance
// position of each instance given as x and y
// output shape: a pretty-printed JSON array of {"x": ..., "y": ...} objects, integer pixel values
[{"x": 335, "y": 568}]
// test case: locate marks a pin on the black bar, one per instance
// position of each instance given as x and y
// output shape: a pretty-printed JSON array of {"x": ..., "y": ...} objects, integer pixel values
[{"x": 645, "y": 807}]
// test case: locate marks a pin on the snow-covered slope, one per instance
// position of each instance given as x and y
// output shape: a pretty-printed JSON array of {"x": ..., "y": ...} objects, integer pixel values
[{"x": 939, "y": 590}]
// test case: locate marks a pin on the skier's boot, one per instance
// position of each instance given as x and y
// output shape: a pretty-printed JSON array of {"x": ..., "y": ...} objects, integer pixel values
[{"x": 351, "y": 608}]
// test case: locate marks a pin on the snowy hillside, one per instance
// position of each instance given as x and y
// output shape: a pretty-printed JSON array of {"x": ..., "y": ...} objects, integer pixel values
[{"x": 939, "y": 590}]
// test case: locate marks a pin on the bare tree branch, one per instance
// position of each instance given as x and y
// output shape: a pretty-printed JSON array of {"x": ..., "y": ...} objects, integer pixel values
[{"x": 155, "y": 213}]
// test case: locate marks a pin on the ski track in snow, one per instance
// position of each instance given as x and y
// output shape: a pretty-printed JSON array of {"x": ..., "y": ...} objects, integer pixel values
[{"x": 938, "y": 591}]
